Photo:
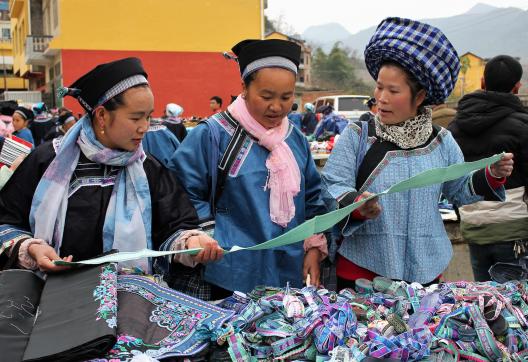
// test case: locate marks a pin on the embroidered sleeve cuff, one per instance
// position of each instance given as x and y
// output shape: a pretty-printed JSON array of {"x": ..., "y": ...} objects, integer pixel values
[
  {"x": 494, "y": 182},
  {"x": 482, "y": 187},
  {"x": 181, "y": 244},
  {"x": 347, "y": 199},
  {"x": 208, "y": 226},
  {"x": 24, "y": 259},
  {"x": 356, "y": 214},
  {"x": 317, "y": 241}
]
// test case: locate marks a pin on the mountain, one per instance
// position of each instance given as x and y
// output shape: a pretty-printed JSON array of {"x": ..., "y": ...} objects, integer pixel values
[
  {"x": 481, "y": 9},
  {"x": 484, "y": 30},
  {"x": 325, "y": 35}
]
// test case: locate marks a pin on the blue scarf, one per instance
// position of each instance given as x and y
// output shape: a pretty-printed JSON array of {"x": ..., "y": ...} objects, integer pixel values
[{"x": 127, "y": 224}]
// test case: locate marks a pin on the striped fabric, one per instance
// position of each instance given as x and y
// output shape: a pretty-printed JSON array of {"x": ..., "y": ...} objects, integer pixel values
[
  {"x": 421, "y": 49},
  {"x": 269, "y": 62},
  {"x": 120, "y": 87}
]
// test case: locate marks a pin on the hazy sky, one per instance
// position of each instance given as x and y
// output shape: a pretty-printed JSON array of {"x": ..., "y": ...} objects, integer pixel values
[{"x": 357, "y": 15}]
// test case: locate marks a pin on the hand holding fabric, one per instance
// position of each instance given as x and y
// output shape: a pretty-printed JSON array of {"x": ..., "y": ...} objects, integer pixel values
[
  {"x": 44, "y": 255},
  {"x": 504, "y": 167},
  {"x": 312, "y": 260},
  {"x": 211, "y": 250}
]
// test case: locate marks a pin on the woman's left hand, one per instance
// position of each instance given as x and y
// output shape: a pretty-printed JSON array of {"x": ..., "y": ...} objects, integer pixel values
[
  {"x": 312, "y": 260},
  {"x": 504, "y": 167}
]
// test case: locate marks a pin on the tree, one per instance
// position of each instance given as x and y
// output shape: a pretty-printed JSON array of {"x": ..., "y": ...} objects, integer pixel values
[
  {"x": 269, "y": 27},
  {"x": 337, "y": 70}
]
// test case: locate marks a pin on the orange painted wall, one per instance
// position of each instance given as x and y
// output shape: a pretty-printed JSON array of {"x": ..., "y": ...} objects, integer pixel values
[{"x": 189, "y": 79}]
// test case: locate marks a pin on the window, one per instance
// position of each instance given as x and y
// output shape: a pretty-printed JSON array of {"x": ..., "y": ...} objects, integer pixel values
[
  {"x": 352, "y": 104},
  {"x": 6, "y": 33}
]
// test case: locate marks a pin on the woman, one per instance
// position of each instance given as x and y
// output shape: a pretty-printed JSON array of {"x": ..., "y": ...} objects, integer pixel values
[
  {"x": 21, "y": 119},
  {"x": 65, "y": 121},
  {"x": 59, "y": 200},
  {"x": 309, "y": 121},
  {"x": 332, "y": 124},
  {"x": 250, "y": 175},
  {"x": 414, "y": 65},
  {"x": 173, "y": 121}
]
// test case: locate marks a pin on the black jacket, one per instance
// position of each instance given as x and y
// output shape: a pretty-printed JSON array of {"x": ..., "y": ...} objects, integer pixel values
[{"x": 492, "y": 122}]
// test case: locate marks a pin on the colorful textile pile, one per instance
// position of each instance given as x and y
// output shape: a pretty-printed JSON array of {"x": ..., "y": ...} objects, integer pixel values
[{"x": 394, "y": 320}]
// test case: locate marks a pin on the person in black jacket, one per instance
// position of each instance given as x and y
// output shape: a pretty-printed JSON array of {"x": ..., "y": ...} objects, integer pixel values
[
  {"x": 309, "y": 120},
  {"x": 489, "y": 121},
  {"x": 373, "y": 109},
  {"x": 174, "y": 122}
]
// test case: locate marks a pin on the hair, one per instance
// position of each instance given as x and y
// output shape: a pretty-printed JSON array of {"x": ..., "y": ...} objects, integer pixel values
[
  {"x": 410, "y": 79},
  {"x": 217, "y": 99},
  {"x": 250, "y": 78},
  {"x": 501, "y": 73},
  {"x": 294, "y": 107}
]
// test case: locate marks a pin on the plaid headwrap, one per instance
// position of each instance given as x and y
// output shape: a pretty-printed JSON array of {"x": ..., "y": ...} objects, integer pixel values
[{"x": 420, "y": 48}]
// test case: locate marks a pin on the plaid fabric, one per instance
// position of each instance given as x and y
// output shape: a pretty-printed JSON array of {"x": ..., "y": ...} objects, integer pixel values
[
  {"x": 189, "y": 281},
  {"x": 420, "y": 48}
]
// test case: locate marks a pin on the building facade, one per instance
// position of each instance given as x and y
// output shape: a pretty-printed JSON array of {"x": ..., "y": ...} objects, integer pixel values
[
  {"x": 304, "y": 77},
  {"x": 470, "y": 75},
  {"x": 8, "y": 81},
  {"x": 179, "y": 42}
]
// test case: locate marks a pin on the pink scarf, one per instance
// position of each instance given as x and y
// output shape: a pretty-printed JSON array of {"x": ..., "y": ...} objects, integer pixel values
[{"x": 284, "y": 180}]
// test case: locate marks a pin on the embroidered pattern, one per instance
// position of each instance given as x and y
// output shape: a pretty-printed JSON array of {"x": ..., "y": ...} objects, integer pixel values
[
  {"x": 177, "y": 313},
  {"x": 241, "y": 157},
  {"x": 224, "y": 123},
  {"x": 10, "y": 235},
  {"x": 403, "y": 153},
  {"x": 82, "y": 178},
  {"x": 106, "y": 294}
]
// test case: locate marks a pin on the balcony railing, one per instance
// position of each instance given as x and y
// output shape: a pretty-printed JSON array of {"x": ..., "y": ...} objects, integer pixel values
[{"x": 36, "y": 45}]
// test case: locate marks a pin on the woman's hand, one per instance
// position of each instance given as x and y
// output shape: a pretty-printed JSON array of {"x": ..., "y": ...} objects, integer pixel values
[
  {"x": 370, "y": 209},
  {"x": 312, "y": 266},
  {"x": 504, "y": 167},
  {"x": 44, "y": 255},
  {"x": 211, "y": 250}
]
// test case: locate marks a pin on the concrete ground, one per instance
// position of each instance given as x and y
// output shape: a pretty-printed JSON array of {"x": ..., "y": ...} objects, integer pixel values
[{"x": 460, "y": 266}]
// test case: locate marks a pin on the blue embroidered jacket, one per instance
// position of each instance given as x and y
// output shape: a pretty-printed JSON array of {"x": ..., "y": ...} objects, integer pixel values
[
  {"x": 242, "y": 212},
  {"x": 408, "y": 240}
]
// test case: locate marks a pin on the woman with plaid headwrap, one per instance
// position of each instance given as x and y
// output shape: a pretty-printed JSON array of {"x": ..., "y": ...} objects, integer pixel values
[{"x": 402, "y": 236}]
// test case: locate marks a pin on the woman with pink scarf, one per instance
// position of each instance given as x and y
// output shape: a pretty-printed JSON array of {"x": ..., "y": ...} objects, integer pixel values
[{"x": 251, "y": 177}]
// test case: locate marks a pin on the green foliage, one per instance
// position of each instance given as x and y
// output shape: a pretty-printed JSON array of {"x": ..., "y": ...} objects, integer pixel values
[{"x": 337, "y": 70}]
